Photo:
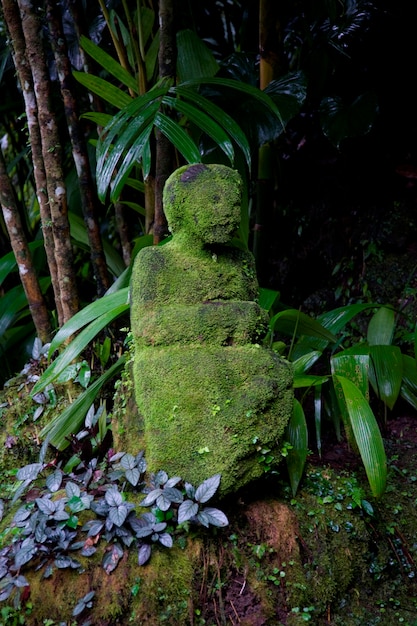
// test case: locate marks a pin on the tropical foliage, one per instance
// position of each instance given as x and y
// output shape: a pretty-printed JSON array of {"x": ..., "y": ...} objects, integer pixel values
[{"x": 208, "y": 108}]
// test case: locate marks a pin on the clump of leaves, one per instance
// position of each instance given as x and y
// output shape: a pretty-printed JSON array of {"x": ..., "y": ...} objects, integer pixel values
[{"x": 48, "y": 532}]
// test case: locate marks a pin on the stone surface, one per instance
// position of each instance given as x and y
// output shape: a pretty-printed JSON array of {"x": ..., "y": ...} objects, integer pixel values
[{"x": 208, "y": 393}]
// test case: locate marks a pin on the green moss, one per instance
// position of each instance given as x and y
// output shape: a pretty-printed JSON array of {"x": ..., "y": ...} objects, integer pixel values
[
  {"x": 204, "y": 387},
  {"x": 209, "y": 407}
]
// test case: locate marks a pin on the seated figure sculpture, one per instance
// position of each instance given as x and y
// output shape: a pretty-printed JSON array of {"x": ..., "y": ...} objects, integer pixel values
[{"x": 207, "y": 392}]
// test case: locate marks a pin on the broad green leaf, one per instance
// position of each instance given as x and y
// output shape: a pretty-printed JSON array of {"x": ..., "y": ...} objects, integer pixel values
[
  {"x": 225, "y": 120},
  {"x": 367, "y": 435},
  {"x": 204, "y": 123},
  {"x": 108, "y": 63},
  {"x": 341, "y": 120},
  {"x": 355, "y": 367},
  {"x": 194, "y": 59},
  {"x": 8, "y": 261},
  {"x": 267, "y": 298},
  {"x": 409, "y": 382},
  {"x": 77, "y": 345},
  {"x": 307, "y": 380},
  {"x": 178, "y": 137},
  {"x": 386, "y": 373},
  {"x": 337, "y": 319},
  {"x": 303, "y": 363},
  {"x": 72, "y": 418},
  {"x": 108, "y": 92},
  {"x": 381, "y": 327},
  {"x": 297, "y": 436},
  {"x": 318, "y": 401},
  {"x": 90, "y": 313},
  {"x": 295, "y": 323},
  {"x": 79, "y": 234},
  {"x": 13, "y": 302},
  {"x": 334, "y": 321}
]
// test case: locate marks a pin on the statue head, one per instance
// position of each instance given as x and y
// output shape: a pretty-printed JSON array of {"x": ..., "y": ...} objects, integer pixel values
[{"x": 203, "y": 202}]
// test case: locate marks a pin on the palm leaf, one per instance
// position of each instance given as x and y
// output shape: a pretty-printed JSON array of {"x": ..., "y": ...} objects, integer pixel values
[
  {"x": 248, "y": 90},
  {"x": 132, "y": 157},
  {"x": 178, "y": 137},
  {"x": 225, "y": 120},
  {"x": 367, "y": 435},
  {"x": 204, "y": 123},
  {"x": 108, "y": 92},
  {"x": 194, "y": 59},
  {"x": 108, "y": 63}
]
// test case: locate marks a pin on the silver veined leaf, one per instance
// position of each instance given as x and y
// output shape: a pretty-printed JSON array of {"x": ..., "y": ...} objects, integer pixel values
[
  {"x": 144, "y": 554},
  {"x": 215, "y": 517},
  {"x": 208, "y": 488},
  {"x": 166, "y": 540},
  {"x": 187, "y": 510}
]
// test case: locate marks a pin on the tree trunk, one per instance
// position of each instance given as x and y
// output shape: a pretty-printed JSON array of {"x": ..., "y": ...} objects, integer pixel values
[
  {"x": 52, "y": 158},
  {"x": 164, "y": 151},
  {"x": 269, "y": 58},
  {"x": 14, "y": 26},
  {"x": 79, "y": 148},
  {"x": 27, "y": 273}
]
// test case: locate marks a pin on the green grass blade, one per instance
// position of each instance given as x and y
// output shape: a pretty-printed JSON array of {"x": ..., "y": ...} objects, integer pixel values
[
  {"x": 297, "y": 436},
  {"x": 91, "y": 312},
  {"x": 77, "y": 345},
  {"x": 72, "y": 418},
  {"x": 178, "y": 137},
  {"x": 367, "y": 435},
  {"x": 386, "y": 373}
]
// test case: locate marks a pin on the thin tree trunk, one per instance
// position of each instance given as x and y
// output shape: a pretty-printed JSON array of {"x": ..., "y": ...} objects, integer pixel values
[
  {"x": 13, "y": 22},
  {"x": 52, "y": 157},
  {"x": 269, "y": 57},
  {"x": 79, "y": 148},
  {"x": 123, "y": 230},
  {"x": 27, "y": 273},
  {"x": 164, "y": 151}
]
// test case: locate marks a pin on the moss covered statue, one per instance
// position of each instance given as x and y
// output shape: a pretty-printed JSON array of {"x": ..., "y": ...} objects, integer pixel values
[{"x": 208, "y": 393}]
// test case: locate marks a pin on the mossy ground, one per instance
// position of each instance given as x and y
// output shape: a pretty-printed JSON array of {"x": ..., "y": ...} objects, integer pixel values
[{"x": 318, "y": 558}]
